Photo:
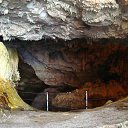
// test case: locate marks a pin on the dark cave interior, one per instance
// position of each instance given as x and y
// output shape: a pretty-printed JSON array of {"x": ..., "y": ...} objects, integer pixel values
[{"x": 99, "y": 67}]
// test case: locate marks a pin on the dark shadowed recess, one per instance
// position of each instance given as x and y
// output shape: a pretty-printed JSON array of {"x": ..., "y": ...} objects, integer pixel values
[{"x": 33, "y": 90}]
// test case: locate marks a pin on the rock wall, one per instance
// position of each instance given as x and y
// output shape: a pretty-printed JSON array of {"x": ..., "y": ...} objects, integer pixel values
[
  {"x": 9, "y": 99},
  {"x": 100, "y": 68},
  {"x": 37, "y": 19},
  {"x": 98, "y": 94},
  {"x": 73, "y": 64},
  {"x": 9, "y": 63}
]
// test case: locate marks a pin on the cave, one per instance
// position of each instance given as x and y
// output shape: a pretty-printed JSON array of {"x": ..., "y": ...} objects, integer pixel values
[
  {"x": 65, "y": 49},
  {"x": 67, "y": 69}
]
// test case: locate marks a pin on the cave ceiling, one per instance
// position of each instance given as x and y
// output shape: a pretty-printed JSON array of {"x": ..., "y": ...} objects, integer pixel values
[
  {"x": 64, "y": 63},
  {"x": 64, "y": 19}
]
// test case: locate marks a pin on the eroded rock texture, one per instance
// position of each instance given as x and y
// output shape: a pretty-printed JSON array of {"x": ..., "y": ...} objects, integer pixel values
[
  {"x": 101, "y": 68},
  {"x": 75, "y": 63},
  {"x": 98, "y": 94},
  {"x": 37, "y": 19}
]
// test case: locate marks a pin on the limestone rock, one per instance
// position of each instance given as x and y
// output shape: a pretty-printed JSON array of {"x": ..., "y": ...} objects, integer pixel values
[
  {"x": 98, "y": 95},
  {"x": 9, "y": 63},
  {"x": 120, "y": 125},
  {"x": 58, "y": 64},
  {"x": 34, "y": 20},
  {"x": 69, "y": 101},
  {"x": 9, "y": 99}
]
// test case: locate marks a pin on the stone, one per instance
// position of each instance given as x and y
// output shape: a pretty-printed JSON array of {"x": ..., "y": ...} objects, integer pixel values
[
  {"x": 57, "y": 62},
  {"x": 9, "y": 63},
  {"x": 35, "y": 20},
  {"x": 68, "y": 101},
  {"x": 120, "y": 125},
  {"x": 73, "y": 65},
  {"x": 98, "y": 95},
  {"x": 9, "y": 99}
]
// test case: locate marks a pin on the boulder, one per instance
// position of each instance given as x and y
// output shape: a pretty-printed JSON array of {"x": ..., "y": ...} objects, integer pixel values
[{"x": 68, "y": 101}]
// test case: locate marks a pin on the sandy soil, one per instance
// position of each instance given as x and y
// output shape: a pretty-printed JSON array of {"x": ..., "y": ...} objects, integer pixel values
[{"x": 114, "y": 115}]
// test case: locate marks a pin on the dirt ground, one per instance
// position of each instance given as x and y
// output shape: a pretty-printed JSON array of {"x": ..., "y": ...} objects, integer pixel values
[{"x": 113, "y": 115}]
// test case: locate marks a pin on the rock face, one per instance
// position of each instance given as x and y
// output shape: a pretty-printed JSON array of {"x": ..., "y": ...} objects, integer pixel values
[
  {"x": 9, "y": 63},
  {"x": 69, "y": 101},
  {"x": 58, "y": 64},
  {"x": 98, "y": 94},
  {"x": 68, "y": 62},
  {"x": 100, "y": 69},
  {"x": 37, "y": 19},
  {"x": 40, "y": 101},
  {"x": 9, "y": 99}
]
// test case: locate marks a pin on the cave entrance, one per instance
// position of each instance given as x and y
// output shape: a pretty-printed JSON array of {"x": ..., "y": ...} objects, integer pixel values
[
  {"x": 101, "y": 68},
  {"x": 34, "y": 92}
]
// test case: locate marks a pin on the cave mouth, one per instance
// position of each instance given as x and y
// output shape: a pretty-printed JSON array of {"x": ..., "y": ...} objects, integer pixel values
[
  {"x": 99, "y": 67},
  {"x": 34, "y": 92}
]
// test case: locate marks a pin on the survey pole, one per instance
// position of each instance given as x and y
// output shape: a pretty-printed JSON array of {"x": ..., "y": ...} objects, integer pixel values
[
  {"x": 86, "y": 100},
  {"x": 47, "y": 101}
]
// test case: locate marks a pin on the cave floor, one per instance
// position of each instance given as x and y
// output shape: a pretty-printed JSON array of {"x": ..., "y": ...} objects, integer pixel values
[{"x": 114, "y": 115}]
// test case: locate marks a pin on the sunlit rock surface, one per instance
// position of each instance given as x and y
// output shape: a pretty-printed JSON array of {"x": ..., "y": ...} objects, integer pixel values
[
  {"x": 9, "y": 63},
  {"x": 9, "y": 99},
  {"x": 34, "y": 20}
]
